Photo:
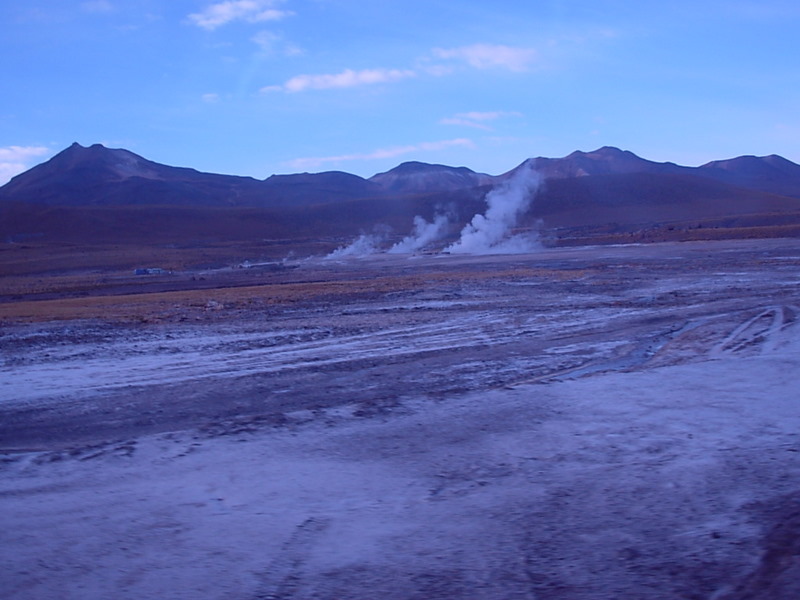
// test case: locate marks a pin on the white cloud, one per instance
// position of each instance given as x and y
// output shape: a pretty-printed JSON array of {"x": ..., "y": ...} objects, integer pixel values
[
  {"x": 465, "y": 123},
  {"x": 488, "y": 56},
  {"x": 210, "y": 98},
  {"x": 481, "y": 56},
  {"x": 252, "y": 11},
  {"x": 489, "y": 116},
  {"x": 383, "y": 153},
  {"x": 477, "y": 119},
  {"x": 17, "y": 159},
  {"x": 345, "y": 79}
]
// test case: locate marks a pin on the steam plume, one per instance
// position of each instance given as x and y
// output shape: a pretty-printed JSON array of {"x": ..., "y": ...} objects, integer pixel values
[
  {"x": 490, "y": 233},
  {"x": 423, "y": 234},
  {"x": 363, "y": 245}
]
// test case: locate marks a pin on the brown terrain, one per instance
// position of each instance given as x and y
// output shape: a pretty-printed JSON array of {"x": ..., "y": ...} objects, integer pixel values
[{"x": 612, "y": 414}]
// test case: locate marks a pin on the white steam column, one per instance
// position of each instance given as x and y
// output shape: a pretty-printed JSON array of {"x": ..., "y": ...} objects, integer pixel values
[{"x": 490, "y": 233}]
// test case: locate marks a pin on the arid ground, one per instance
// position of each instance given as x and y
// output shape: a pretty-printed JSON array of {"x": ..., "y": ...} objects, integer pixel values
[{"x": 578, "y": 423}]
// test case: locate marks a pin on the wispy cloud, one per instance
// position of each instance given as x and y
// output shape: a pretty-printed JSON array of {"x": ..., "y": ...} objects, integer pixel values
[
  {"x": 272, "y": 43},
  {"x": 383, "y": 153},
  {"x": 266, "y": 40},
  {"x": 345, "y": 79},
  {"x": 480, "y": 56},
  {"x": 491, "y": 56},
  {"x": 465, "y": 123},
  {"x": 478, "y": 120},
  {"x": 97, "y": 6},
  {"x": 16, "y": 159},
  {"x": 251, "y": 11}
]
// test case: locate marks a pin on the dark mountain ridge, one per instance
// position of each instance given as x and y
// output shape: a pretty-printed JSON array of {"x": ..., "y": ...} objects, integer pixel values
[
  {"x": 100, "y": 176},
  {"x": 771, "y": 173},
  {"x": 113, "y": 194},
  {"x": 603, "y": 161},
  {"x": 97, "y": 175},
  {"x": 417, "y": 177}
]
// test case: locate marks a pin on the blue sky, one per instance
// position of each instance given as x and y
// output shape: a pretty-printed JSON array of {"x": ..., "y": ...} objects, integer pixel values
[{"x": 256, "y": 87}]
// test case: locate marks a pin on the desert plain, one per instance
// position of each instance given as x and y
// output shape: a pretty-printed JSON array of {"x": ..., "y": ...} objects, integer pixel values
[{"x": 573, "y": 423}]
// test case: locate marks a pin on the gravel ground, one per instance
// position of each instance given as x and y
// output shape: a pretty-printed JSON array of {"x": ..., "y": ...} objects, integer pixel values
[{"x": 616, "y": 422}]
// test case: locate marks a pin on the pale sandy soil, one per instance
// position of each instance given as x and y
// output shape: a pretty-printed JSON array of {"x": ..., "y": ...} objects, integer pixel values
[{"x": 594, "y": 423}]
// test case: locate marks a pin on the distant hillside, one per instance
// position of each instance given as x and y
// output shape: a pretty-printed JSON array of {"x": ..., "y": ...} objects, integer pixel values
[
  {"x": 603, "y": 161},
  {"x": 773, "y": 174},
  {"x": 108, "y": 195},
  {"x": 767, "y": 173},
  {"x": 99, "y": 176},
  {"x": 417, "y": 177},
  {"x": 650, "y": 198}
]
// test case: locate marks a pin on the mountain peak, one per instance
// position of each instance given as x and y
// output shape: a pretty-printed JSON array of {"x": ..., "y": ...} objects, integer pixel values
[
  {"x": 771, "y": 173},
  {"x": 113, "y": 162},
  {"x": 611, "y": 149},
  {"x": 418, "y": 177},
  {"x": 414, "y": 166},
  {"x": 78, "y": 148},
  {"x": 603, "y": 161},
  {"x": 605, "y": 152},
  {"x": 95, "y": 174},
  {"x": 752, "y": 161}
]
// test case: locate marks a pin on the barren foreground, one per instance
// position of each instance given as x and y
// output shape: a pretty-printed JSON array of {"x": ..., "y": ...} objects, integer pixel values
[{"x": 584, "y": 423}]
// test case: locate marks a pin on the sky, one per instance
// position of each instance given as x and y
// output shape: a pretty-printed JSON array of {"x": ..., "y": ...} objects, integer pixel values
[{"x": 257, "y": 87}]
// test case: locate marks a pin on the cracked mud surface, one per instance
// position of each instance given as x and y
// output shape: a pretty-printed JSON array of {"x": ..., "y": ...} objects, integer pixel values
[{"x": 580, "y": 423}]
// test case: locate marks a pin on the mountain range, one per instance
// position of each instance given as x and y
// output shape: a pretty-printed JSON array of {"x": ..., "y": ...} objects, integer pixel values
[{"x": 113, "y": 194}]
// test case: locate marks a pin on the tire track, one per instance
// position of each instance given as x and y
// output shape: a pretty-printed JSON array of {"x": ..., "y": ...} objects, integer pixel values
[
  {"x": 281, "y": 580},
  {"x": 760, "y": 333}
]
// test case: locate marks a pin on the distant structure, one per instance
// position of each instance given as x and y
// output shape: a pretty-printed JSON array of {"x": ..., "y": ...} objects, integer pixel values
[{"x": 151, "y": 271}]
